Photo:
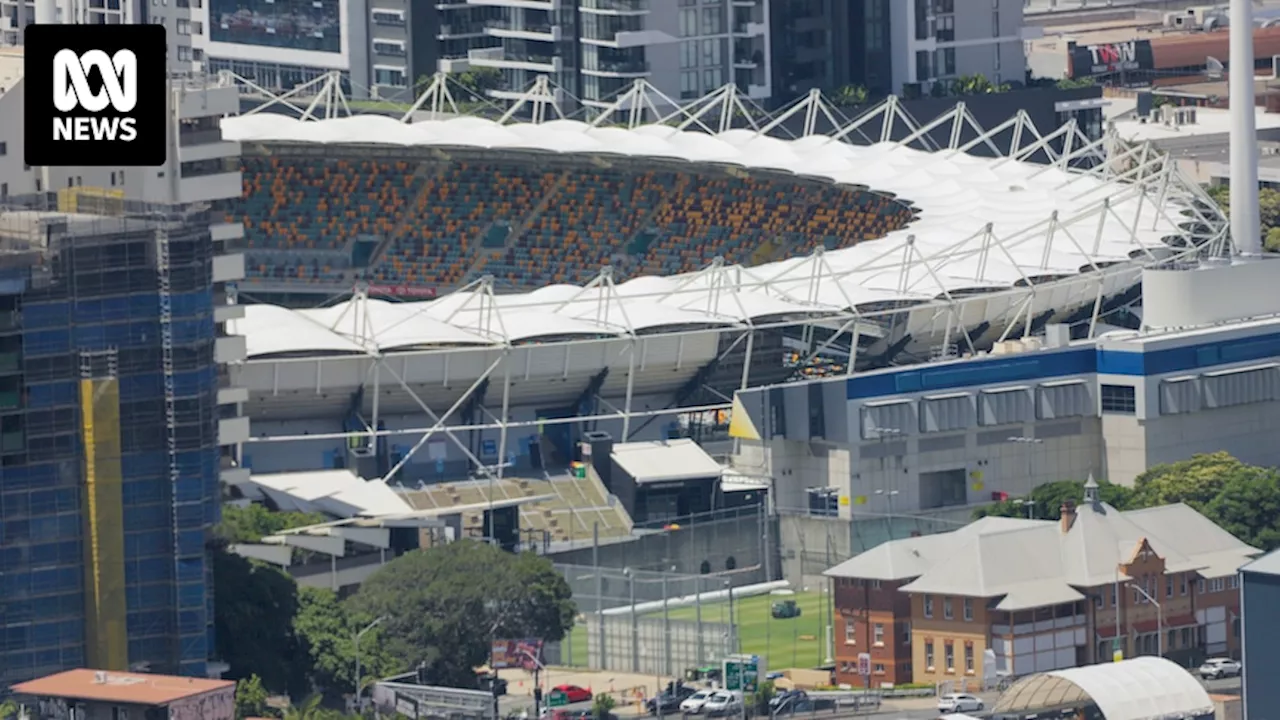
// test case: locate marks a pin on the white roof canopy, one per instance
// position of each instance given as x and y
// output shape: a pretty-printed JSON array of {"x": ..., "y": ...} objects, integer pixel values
[
  {"x": 665, "y": 461},
  {"x": 982, "y": 223}
]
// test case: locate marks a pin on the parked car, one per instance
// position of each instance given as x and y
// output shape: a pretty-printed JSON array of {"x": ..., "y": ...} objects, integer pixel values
[
  {"x": 790, "y": 701},
  {"x": 693, "y": 704},
  {"x": 722, "y": 702},
  {"x": 669, "y": 702},
  {"x": 1217, "y": 668},
  {"x": 573, "y": 693},
  {"x": 959, "y": 703}
]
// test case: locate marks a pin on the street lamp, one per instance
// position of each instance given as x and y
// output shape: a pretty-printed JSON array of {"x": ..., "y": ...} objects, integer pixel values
[
  {"x": 888, "y": 495},
  {"x": 1159, "y": 617},
  {"x": 1030, "y": 505},
  {"x": 360, "y": 634},
  {"x": 1024, "y": 440}
]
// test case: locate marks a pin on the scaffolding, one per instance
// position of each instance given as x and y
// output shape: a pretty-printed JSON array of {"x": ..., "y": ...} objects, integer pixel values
[{"x": 106, "y": 631}]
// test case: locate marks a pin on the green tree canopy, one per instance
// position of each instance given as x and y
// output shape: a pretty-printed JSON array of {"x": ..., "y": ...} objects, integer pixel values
[
  {"x": 445, "y": 605},
  {"x": 1240, "y": 498},
  {"x": 251, "y": 523},
  {"x": 254, "y": 606},
  {"x": 251, "y": 698},
  {"x": 1269, "y": 210},
  {"x": 327, "y": 630},
  {"x": 1047, "y": 500}
]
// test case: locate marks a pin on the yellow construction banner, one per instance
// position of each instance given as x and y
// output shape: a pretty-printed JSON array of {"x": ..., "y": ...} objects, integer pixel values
[
  {"x": 106, "y": 635},
  {"x": 740, "y": 424}
]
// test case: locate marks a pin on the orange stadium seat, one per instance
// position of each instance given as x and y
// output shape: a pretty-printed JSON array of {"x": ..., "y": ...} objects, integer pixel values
[{"x": 444, "y": 222}]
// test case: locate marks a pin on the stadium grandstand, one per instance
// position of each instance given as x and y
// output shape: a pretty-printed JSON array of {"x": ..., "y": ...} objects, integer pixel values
[{"x": 621, "y": 277}]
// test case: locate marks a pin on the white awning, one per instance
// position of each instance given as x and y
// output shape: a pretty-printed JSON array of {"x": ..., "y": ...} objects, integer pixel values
[{"x": 665, "y": 461}]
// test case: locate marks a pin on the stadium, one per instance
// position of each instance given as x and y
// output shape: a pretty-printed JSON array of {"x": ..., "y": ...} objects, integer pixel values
[{"x": 619, "y": 279}]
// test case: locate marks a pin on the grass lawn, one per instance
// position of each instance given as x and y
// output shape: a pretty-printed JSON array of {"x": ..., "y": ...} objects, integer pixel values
[{"x": 796, "y": 642}]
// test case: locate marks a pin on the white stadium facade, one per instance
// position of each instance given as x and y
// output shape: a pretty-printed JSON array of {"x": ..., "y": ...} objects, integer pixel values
[{"x": 1050, "y": 229}]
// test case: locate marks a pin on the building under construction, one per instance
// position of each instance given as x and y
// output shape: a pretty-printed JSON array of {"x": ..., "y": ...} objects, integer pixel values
[{"x": 109, "y": 435}]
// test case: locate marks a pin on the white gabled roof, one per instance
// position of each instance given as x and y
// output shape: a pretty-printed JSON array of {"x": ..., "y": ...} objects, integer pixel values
[
  {"x": 340, "y": 493},
  {"x": 965, "y": 204}
]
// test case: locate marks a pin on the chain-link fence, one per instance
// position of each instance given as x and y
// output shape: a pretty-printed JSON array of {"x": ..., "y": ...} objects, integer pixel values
[
  {"x": 653, "y": 645},
  {"x": 596, "y": 589}
]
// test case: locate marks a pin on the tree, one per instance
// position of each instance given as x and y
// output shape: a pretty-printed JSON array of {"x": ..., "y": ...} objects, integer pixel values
[
  {"x": 850, "y": 96},
  {"x": 1072, "y": 83},
  {"x": 602, "y": 705},
  {"x": 976, "y": 85},
  {"x": 479, "y": 80},
  {"x": 251, "y": 698},
  {"x": 9, "y": 710},
  {"x": 1268, "y": 207},
  {"x": 1049, "y": 498},
  {"x": 1249, "y": 508},
  {"x": 446, "y": 604},
  {"x": 254, "y": 606},
  {"x": 251, "y": 523},
  {"x": 326, "y": 631}
]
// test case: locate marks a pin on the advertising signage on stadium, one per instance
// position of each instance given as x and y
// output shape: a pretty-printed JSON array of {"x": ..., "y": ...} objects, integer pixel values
[
  {"x": 1089, "y": 60},
  {"x": 402, "y": 291},
  {"x": 314, "y": 25}
]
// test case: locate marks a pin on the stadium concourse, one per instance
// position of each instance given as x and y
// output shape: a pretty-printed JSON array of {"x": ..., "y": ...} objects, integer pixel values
[{"x": 732, "y": 257}]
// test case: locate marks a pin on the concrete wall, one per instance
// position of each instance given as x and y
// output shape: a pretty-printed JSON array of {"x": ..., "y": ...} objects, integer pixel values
[{"x": 732, "y": 545}]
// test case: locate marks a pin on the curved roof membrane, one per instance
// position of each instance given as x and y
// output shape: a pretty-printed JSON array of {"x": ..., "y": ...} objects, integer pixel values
[
  {"x": 982, "y": 225},
  {"x": 1141, "y": 688}
]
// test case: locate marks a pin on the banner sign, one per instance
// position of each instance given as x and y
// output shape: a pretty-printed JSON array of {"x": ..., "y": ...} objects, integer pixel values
[
  {"x": 408, "y": 291},
  {"x": 526, "y": 654},
  {"x": 1086, "y": 60}
]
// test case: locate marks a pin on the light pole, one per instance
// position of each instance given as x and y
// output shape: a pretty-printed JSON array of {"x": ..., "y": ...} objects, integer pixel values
[
  {"x": 1159, "y": 617},
  {"x": 733, "y": 628},
  {"x": 360, "y": 634},
  {"x": 1025, "y": 440},
  {"x": 635, "y": 628},
  {"x": 888, "y": 495}
]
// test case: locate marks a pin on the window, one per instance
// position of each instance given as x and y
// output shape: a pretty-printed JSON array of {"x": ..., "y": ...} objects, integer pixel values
[
  {"x": 1182, "y": 582},
  {"x": 947, "y": 612},
  {"x": 968, "y": 658},
  {"x": 1217, "y": 584},
  {"x": 1186, "y": 637},
  {"x": 968, "y": 609},
  {"x": 928, "y": 654},
  {"x": 1172, "y": 641},
  {"x": 4, "y": 149},
  {"x": 388, "y": 47},
  {"x": 1113, "y": 596},
  {"x": 877, "y": 634},
  {"x": 1201, "y": 583},
  {"x": 712, "y": 21},
  {"x": 1119, "y": 399},
  {"x": 1099, "y": 601},
  {"x": 688, "y": 22},
  {"x": 1168, "y": 586},
  {"x": 875, "y": 584},
  {"x": 928, "y": 608},
  {"x": 906, "y": 634},
  {"x": 949, "y": 650},
  {"x": 688, "y": 54},
  {"x": 393, "y": 77},
  {"x": 850, "y": 633},
  {"x": 689, "y": 84},
  {"x": 878, "y": 669},
  {"x": 1233, "y": 582}
]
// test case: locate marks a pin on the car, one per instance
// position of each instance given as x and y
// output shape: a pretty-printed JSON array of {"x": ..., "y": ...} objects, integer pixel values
[
  {"x": 668, "y": 701},
  {"x": 1217, "y": 668},
  {"x": 958, "y": 703},
  {"x": 573, "y": 693},
  {"x": 789, "y": 702},
  {"x": 722, "y": 702},
  {"x": 693, "y": 704}
]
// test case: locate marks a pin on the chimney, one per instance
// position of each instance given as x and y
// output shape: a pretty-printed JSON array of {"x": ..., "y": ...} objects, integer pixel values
[{"x": 1068, "y": 516}]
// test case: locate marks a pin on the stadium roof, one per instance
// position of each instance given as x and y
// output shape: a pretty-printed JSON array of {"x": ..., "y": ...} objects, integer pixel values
[{"x": 982, "y": 225}]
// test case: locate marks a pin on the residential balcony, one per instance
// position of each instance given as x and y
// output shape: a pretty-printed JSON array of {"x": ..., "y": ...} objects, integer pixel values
[
  {"x": 614, "y": 7},
  {"x": 546, "y": 6},
  {"x": 501, "y": 59},
  {"x": 460, "y": 32},
  {"x": 506, "y": 29},
  {"x": 618, "y": 69}
]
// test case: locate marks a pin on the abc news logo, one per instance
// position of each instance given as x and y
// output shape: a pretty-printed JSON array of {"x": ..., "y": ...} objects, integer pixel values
[{"x": 107, "y": 92}]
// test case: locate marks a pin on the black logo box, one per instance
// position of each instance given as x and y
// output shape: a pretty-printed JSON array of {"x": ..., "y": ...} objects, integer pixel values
[{"x": 149, "y": 44}]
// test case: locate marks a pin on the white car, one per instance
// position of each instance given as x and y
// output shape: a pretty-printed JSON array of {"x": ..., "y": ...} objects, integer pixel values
[
  {"x": 695, "y": 702},
  {"x": 722, "y": 702},
  {"x": 1217, "y": 668},
  {"x": 959, "y": 703}
]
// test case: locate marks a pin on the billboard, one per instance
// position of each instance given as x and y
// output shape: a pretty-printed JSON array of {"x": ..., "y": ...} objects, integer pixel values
[
  {"x": 1086, "y": 60},
  {"x": 314, "y": 25},
  {"x": 402, "y": 291},
  {"x": 526, "y": 654}
]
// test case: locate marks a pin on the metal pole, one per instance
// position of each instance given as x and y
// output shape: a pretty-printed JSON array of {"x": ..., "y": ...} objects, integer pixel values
[
  {"x": 595, "y": 563},
  {"x": 697, "y": 619},
  {"x": 733, "y": 626},
  {"x": 666, "y": 631},
  {"x": 1245, "y": 227},
  {"x": 357, "y": 672},
  {"x": 635, "y": 626}
]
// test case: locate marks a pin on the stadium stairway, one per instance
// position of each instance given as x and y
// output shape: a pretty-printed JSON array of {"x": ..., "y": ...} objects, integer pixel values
[
  {"x": 578, "y": 505},
  {"x": 487, "y": 255}
]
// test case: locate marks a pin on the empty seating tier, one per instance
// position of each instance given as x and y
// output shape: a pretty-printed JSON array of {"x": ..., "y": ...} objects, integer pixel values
[{"x": 442, "y": 221}]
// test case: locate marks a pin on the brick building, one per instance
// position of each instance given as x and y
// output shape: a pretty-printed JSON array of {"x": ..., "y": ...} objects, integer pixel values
[{"x": 1042, "y": 595}]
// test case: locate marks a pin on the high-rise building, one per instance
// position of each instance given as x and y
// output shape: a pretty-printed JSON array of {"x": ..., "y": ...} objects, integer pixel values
[{"x": 114, "y": 404}]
